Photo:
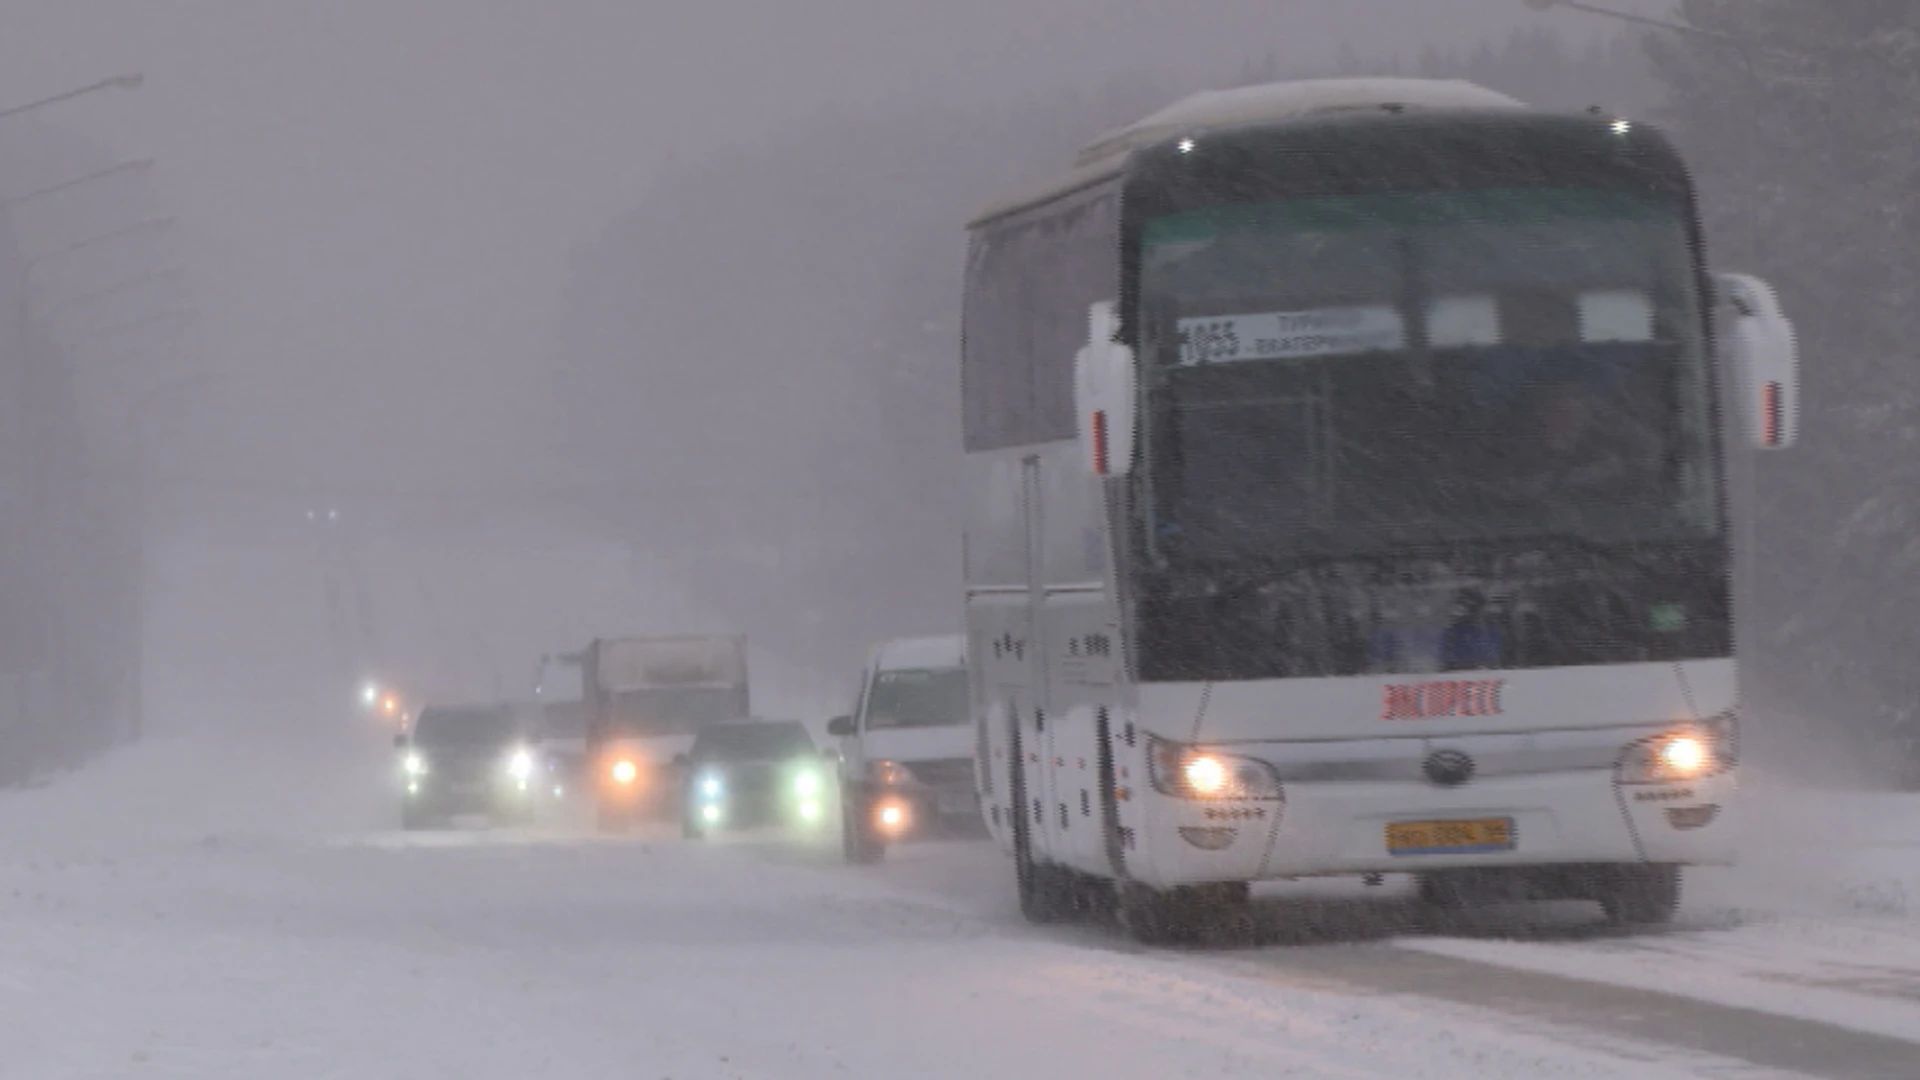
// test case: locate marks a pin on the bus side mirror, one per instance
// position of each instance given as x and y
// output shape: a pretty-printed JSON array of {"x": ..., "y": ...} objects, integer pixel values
[
  {"x": 1760, "y": 351},
  {"x": 840, "y": 727},
  {"x": 1103, "y": 395}
]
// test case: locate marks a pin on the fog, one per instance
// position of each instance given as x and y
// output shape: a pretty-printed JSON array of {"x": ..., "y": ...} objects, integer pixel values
[
  {"x": 455, "y": 264},
  {"x": 462, "y": 270},
  {"x": 416, "y": 344},
  {"x": 383, "y": 196},
  {"x": 383, "y": 212}
]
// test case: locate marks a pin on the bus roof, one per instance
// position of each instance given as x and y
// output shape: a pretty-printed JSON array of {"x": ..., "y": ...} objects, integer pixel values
[{"x": 1245, "y": 106}]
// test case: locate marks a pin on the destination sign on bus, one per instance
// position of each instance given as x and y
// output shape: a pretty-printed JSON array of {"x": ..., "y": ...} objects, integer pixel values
[{"x": 1290, "y": 335}]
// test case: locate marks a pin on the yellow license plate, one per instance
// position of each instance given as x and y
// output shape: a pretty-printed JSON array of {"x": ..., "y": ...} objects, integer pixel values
[{"x": 1449, "y": 837}]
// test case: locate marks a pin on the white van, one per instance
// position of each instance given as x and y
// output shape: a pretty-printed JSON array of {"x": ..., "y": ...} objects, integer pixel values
[{"x": 906, "y": 751}]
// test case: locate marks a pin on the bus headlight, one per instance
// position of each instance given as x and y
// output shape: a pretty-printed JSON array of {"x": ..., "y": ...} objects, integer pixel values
[
  {"x": 711, "y": 787},
  {"x": 1192, "y": 772},
  {"x": 413, "y": 764},
  {"x": 1692, "y": 752},
  {"x": 1685, "y": 755},
  {"x": 1204, "y": 774}
]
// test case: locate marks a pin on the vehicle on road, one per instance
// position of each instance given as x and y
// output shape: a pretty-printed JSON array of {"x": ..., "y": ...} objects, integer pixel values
[
  {"x": 751, "y": 773},
  {"x": 1347, "y": 494},
  {"x": 647, "y": 698},
  {"x": 561, "y": 735},
  {"x": 907, "y": 749},
  {"x": 561, "y": 727},
  {"x": 386, "y": 703},
  {"x": 460, "y": 760}
]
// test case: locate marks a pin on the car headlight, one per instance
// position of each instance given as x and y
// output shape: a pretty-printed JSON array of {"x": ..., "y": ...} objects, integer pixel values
[
  {"x": 414, "y": 764},
  {"x": 1193, "y": 772},
  {"x": 520, "y": 764},
  {"x": 712, "y": 786},
  {"x": 892, "y": 816},
  {"x": 807, "y": 784},
  {"x": 890, "y": 773},
  {"x": 1691, "y": 752},
  {"x": 624, "y": 772}
]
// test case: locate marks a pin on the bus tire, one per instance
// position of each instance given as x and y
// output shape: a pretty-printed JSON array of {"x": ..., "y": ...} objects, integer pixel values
[
  {"x": 1046, "y": 892},
  {"x": 1640, "y": 895}
]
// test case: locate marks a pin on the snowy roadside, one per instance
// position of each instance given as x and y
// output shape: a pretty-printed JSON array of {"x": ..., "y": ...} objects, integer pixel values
[
  {"x": 1822, "y": 921},
  {"x": 193, "y": 940}
]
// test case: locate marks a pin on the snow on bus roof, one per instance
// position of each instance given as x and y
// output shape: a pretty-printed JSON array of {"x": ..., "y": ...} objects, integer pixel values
[
  {"x": 944, "y": 651},
  {"x": 1286, "y": 100},
  {"x": 1264, "y": 103}
]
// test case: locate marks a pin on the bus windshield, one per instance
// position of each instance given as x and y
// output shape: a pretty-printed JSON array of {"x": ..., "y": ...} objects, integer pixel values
[{"x": 1350, "y": 375}]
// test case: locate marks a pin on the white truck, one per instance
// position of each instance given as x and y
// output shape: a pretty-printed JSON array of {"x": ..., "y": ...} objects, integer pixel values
[
  {"x": 907, "y": 749},
  {"x": 646, "y": 698}
]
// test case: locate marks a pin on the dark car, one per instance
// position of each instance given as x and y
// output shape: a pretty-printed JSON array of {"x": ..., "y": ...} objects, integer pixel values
[
  {"x": 474, "y": 759},
  {"x": 748, "y": 773}
]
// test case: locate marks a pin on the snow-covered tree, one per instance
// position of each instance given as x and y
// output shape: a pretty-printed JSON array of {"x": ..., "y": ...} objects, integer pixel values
[{"x": 1803, "y": 120}]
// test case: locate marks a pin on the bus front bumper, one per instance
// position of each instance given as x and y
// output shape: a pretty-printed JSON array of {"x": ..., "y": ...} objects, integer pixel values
[{"x": 1367, "y": 827}]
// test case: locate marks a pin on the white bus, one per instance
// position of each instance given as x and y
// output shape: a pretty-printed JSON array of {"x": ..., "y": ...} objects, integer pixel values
[{"x": 1346, "y": 495}]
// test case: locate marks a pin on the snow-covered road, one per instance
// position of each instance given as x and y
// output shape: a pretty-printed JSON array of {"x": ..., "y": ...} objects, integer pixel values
[{"x": 192, "y": 910}]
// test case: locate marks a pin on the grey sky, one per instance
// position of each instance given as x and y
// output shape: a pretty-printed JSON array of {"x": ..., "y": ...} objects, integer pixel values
[{"x": 380, "y": 194}]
